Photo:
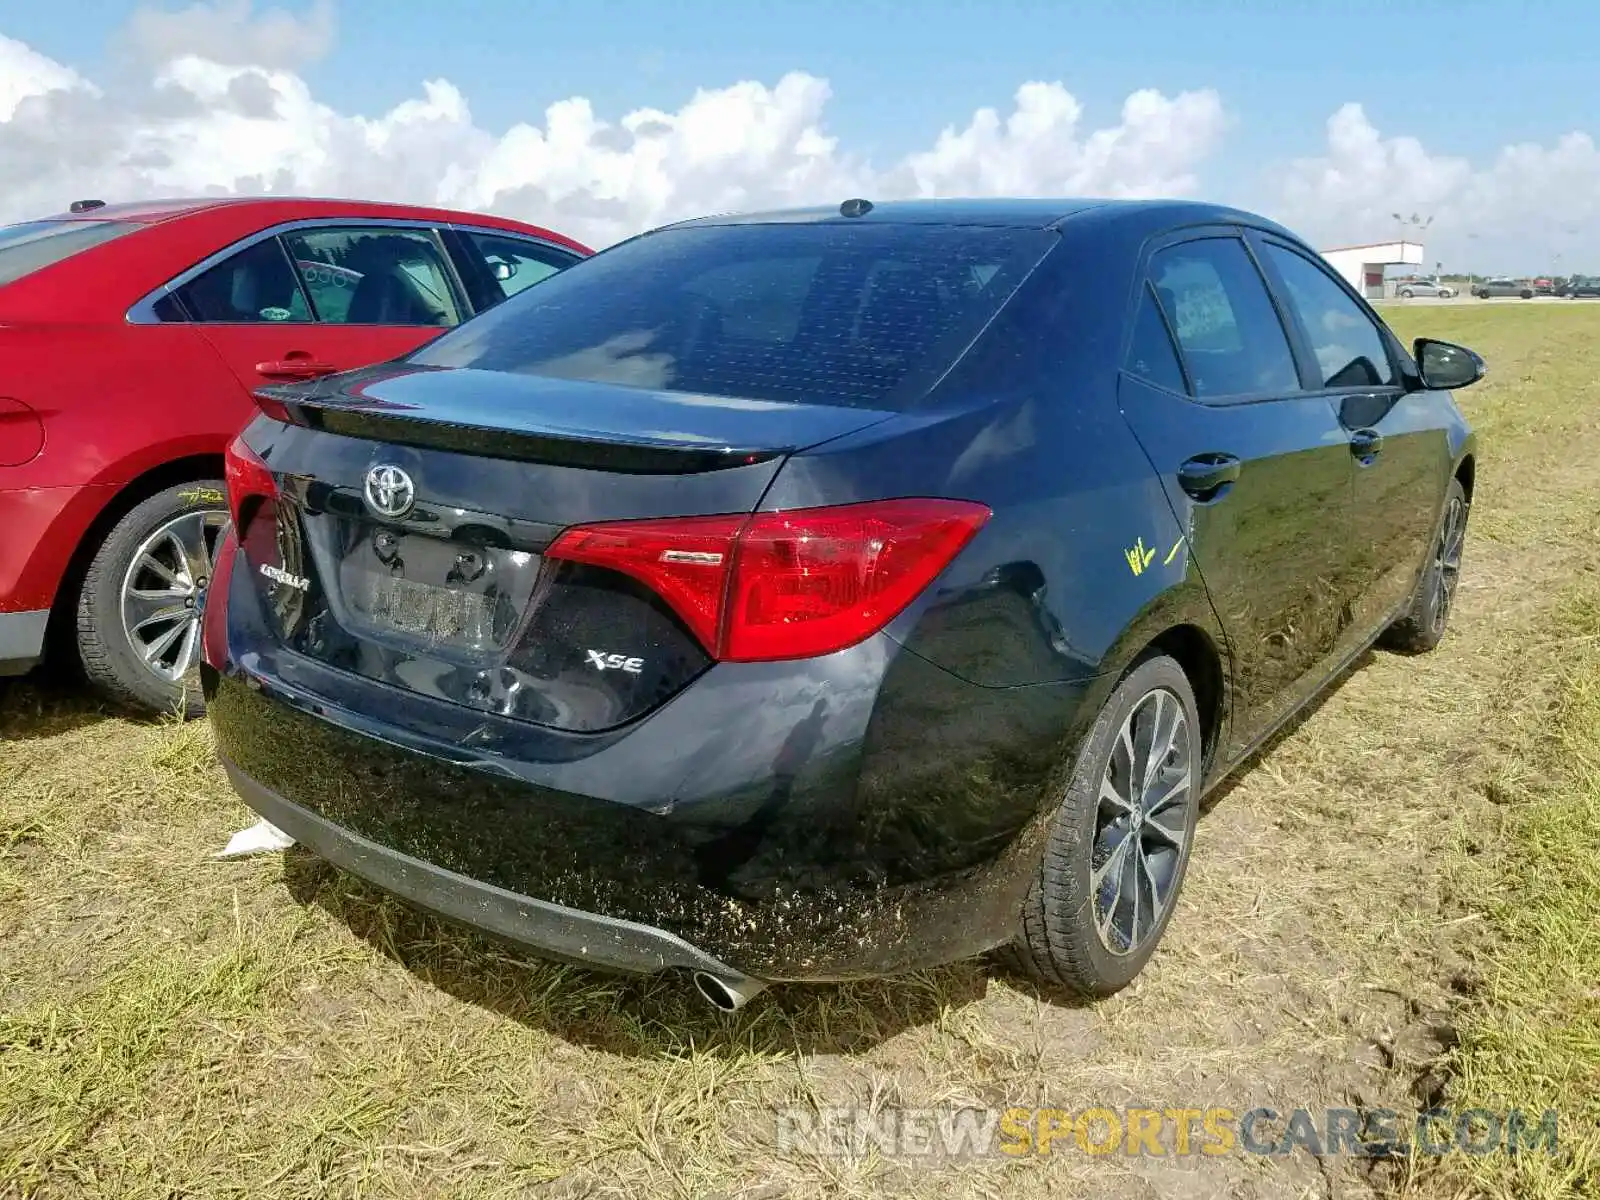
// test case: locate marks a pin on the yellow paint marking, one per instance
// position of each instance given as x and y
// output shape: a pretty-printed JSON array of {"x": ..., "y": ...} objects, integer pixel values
[
  {"x": 1138, "y": 557},
  {"x": 1173, "y": 553}
]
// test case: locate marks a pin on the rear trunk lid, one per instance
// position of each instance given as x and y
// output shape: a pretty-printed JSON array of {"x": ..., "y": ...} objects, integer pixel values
[{"x": 405, "y": 542}]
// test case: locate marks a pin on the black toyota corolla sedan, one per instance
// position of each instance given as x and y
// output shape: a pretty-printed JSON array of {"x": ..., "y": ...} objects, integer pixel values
[{"x": 825, "y": 594}]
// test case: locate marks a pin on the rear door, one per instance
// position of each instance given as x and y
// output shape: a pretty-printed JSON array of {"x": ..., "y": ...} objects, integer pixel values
[
  {"x": 1258, "y": 470},
  {"x": 1400, "y": 455},
  {"x": 323, "y": 298}
]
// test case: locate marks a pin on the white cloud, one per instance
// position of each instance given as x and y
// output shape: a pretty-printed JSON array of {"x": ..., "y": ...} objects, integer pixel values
[
  {"x": 1039, "y": 149},
  {"x": 26, "y": 74},
  {"x": 231, "y": 32},
  {"x": 1532, "y": 203},
  {"x": 220, "y": 107}
]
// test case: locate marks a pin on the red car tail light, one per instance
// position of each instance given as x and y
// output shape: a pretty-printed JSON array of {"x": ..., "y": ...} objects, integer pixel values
[
  {"x": 817, "y": 580},
  {"x": 213, "y": 619},
  {"x": 248, "y": 478},
  {"x": 791, "y": 584}
]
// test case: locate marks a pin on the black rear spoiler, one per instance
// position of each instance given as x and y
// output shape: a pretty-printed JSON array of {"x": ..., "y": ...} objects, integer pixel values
[{"x": 291, "y": 405}]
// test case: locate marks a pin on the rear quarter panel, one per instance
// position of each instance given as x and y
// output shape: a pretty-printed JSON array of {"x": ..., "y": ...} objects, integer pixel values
[
  {"x": 115, "y": 401},
  {"x": 1005, "y": 661},
  {"x": 1083, "y": 561}
]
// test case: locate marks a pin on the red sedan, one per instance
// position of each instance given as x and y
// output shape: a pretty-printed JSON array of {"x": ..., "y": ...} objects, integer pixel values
[{"x": 131, "y": 337}]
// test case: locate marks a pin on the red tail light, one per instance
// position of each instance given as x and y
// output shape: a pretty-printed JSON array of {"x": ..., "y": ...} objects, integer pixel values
[
  {"x": 784, "y": 584},
  {"x": 248, "y": 478}
]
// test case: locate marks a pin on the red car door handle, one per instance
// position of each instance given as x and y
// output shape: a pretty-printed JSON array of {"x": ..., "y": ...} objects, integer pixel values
[{"x": 294, "y": 368}]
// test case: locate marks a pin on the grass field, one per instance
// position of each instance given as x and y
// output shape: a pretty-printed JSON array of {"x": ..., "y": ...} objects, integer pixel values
[{"x": 1393, "y": 907}]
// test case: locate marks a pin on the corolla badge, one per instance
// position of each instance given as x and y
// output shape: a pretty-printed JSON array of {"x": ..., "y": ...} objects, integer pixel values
[
  {"x": 288, "y": 578},
  {"x": 389, "y": 491}
]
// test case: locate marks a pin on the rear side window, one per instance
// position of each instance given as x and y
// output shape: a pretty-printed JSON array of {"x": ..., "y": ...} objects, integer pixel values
[
  {"x": 253, "y": 286},
  {"x": 1232, "y": 340},
  {"x": 1349, "y": 349},
  {"x": 1152, "y": 356},
  {"x": 34, "y": 245},
  {"x": 834, "y": 313}
]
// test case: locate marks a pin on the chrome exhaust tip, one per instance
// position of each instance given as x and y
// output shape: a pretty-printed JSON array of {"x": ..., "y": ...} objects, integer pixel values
[{"x": 727, "y": 993}]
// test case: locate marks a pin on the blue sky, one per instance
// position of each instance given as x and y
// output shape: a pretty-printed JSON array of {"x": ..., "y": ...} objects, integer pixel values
[{"x": 1465, "y": 78}]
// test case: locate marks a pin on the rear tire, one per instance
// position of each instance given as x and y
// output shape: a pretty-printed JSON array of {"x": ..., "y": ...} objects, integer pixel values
[
  {"x": 1086, "y": 934},
  {"x": 138, "y": 609},
  {"x": 1423, "y": 626},
  {"x": 1406, "y": 294}
]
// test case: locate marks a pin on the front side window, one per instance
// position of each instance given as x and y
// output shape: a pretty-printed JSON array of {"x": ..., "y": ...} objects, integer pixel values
[
  {"x": 867, "y": 315},
  {"x": 253, "y": 287},
  {"x": 34, "y": 245},
  {"x": 374, "y": 276},
  {"x": 1232, "y": 340},
  {"x": 1350, "y": 351},
  {"x": 516, "y": 264}
]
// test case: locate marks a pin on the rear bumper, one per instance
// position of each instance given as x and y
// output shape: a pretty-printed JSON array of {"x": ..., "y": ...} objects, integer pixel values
[
  {"x": 552, "y": 929},
  {"x": 22, "y": 640},
  {"x": 857, "y": 815}
]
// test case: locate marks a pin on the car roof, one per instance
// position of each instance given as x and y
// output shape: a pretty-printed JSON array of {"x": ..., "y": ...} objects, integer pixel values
[
  {"x": 144, "y": 213},
  {"x": 149, "y": 212},
  {"x": 1006, "y": 213},
  {"x": 271, "y": 210}
]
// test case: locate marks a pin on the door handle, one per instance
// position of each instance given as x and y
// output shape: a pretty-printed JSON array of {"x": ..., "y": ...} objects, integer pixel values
[
  {"x": 1366, "y": 444},
  {"x": 294, "y": 367},
  {"x": 1206, "y": 477}
]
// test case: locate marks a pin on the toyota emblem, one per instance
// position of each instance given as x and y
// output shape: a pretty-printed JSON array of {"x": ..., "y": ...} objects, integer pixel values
[{"x": 390, "y": 492}]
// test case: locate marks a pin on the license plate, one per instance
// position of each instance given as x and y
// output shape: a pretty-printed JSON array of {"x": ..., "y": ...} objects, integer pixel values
[{"x": 440, "y": 614}]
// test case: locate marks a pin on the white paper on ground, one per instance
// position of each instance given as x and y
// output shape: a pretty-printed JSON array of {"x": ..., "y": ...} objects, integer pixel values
[{"x": 258, "y": 839}]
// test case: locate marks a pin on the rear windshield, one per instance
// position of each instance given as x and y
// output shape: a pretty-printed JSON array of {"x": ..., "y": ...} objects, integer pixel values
[
  {"x": 832, "y": 313},
  {"x": 33, "y": 245}
]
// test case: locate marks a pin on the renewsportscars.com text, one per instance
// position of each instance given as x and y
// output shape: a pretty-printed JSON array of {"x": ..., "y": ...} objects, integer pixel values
[{"x": 849, "y": 1132}]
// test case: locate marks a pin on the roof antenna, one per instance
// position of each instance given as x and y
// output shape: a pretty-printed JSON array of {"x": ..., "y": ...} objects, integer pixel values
[
  {"x": 83, "y": 206},
  {"x": 855, "y": 208}
]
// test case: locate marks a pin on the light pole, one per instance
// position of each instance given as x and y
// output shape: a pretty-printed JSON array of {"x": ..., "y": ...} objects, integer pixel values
[
  {"x": 1414, "y": 223},
  {"x": 1562, "y": 242}
]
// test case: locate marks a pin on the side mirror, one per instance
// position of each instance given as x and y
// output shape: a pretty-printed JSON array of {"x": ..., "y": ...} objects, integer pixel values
[
  {"x": 1445, "y": 366},
  {"x": 504, "y": 270}
]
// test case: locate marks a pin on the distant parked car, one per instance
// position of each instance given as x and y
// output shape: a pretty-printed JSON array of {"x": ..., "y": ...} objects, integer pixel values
[
  {"x": 1544, "y": 286},
  {"x": 1581, "y": 285},
  {"x": 1502, "y": 286},
  {"x": 1424, "y": 287},
  {"x": 131, "y": 337}
]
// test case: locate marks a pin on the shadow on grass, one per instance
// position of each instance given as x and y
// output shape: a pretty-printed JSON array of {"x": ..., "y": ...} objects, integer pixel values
[
  {"x": 639, "y": 1015},
  {"x": 662, "y": 1015},
  {"x": 1287, "y": 730},
  {"x": 45, "y": 704}
]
